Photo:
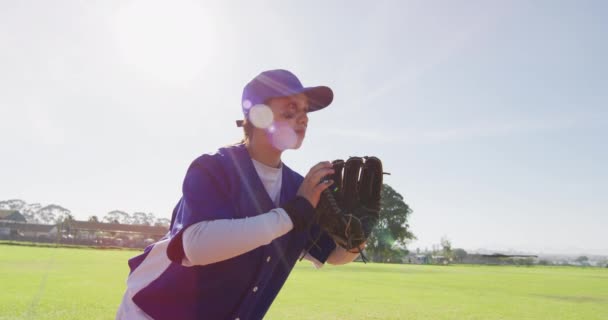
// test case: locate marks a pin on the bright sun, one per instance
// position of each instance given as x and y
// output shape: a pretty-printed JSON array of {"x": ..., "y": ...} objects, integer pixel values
[{"x": 170, "y": 41}]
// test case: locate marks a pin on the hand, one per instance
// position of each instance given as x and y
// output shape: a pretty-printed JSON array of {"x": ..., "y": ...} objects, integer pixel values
[
  {"x": 359, "y": 249},
  {"x": 312, "y": 186}
]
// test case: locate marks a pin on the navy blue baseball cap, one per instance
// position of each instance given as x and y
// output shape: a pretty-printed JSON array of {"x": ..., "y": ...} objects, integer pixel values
[{"x": 281, "y": 83}]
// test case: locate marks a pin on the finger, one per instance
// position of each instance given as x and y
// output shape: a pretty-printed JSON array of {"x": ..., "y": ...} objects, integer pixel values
[
  {"x": 323, "y": 185},
  {"x": 370, "y": 184},
  {"x": 350, "y": 181},
  {"x": 320, "y": 165},
  {"x": 319, "y": 175},
  {"x": 338, "y": 166}
]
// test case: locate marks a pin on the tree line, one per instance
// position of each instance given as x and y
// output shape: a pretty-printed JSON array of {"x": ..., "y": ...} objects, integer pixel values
[
  {"x": 53, "y": 214},
  {"x": 387, "y": 243}
]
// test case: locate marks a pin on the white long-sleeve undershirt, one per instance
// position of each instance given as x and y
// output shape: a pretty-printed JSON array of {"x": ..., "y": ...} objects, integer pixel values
[
  {"x": 217, "y": 240},
  {"x": 212, "y": 241}
]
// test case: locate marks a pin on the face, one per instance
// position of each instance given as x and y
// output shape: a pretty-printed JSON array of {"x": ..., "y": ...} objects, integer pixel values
[{"x": 290, "y": 119}]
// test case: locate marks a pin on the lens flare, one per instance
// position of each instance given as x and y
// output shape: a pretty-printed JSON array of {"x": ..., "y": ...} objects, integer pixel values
[
  {"x": 283, "y": 137},
  {"x": 261, "y": 116},
  {"x": 246, "y": 104}
]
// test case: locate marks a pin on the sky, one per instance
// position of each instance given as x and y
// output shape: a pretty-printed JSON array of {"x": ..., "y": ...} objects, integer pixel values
[{"x": 491, "y": 116}]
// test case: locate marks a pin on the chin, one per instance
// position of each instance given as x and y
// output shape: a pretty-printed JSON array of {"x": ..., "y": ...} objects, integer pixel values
[
  {"x": 284, "y": 137},
  {"x": 298, "y": 144}
]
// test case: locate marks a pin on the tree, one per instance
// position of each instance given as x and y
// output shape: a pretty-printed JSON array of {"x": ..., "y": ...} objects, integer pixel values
[
  {"x": 13, "y": 204},
  {"x": 162, "y": 222},
  {"x": 446, "y": 246},
  {"x": 65, "y": 217},
  {"x": 93, "y": 219},
  {"x": 52, "y": 214},
  {"x": 117, "y": 216},
  {"x": 139, "y": 218},
  {"x": 150, "y": 218},
  {"x": 36, "y": 213},
  {"x": 459, "y": 254},
  {"x": 388, "y": 240},
  {"x": 583, "y": 260},
  {"x": 142, "y": 218},
  {"x": 29, "y": 211}
]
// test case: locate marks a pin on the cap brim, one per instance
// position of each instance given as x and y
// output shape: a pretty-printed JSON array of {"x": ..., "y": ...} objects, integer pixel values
[{"x": 318, "y": 97}]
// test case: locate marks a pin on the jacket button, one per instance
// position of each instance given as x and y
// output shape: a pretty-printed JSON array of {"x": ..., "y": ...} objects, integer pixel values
[
  {"x": 268, "y": 259},
  {"x": 255, "y": 288}
]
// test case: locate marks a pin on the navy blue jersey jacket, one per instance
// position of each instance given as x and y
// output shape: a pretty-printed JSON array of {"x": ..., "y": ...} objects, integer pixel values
[{"x": 225, "y": 185}]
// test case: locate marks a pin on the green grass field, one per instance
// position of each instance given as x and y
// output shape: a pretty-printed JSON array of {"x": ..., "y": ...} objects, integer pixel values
[{"x": 67, "y": 283}]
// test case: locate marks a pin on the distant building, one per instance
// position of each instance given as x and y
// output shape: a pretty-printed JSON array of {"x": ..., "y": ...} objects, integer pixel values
[
  {"x": 86, "y": 228},
  {"x": 440, "y": 260},
  {"x": 113, "y": 234},
  {"x": 40, "y": 231},
  {"x": 417, "y": 259},
  {"x": 79, "y": 232},
  {"x": 11, "y": 215},
  {"x": 26, "y": 231},
  {"x": 500, "y": 259}
]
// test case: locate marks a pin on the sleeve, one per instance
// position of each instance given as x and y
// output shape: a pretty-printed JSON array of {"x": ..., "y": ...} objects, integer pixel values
[
  {"x": 205, "y": 197},
  {"x": 206, "y": 242},
  {"x": 337, "y": 256},
  {"x": 322, "y": 247}
]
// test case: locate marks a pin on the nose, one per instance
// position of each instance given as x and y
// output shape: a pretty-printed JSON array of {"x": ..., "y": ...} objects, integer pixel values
[{"x": 303, "y": 119}]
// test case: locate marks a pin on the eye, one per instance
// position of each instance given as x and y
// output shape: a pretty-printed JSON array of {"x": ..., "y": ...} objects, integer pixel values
[
  {"x": 290, "y": 111},
  {"x": 288, "y": 115}
]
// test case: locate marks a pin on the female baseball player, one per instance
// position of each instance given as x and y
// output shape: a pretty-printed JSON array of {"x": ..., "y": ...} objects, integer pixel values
[{"x": 244, "y": 218}]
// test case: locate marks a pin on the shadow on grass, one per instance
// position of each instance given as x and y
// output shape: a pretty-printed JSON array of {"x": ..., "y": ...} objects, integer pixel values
[{"x": 575, "y": 299}]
